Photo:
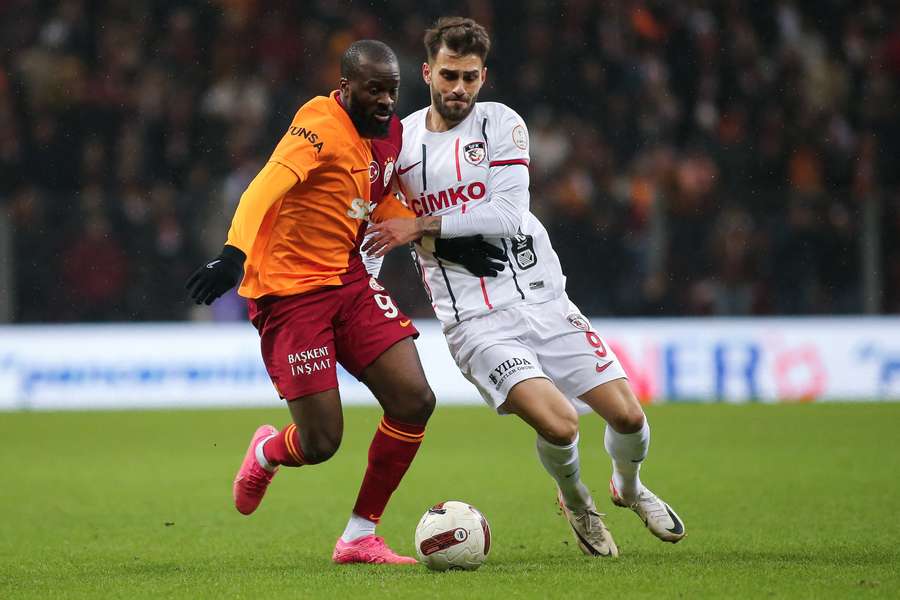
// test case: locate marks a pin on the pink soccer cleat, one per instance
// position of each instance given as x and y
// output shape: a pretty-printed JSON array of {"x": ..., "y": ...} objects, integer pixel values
[
  {"x": 251, "y": 480},
  {"x": 368, "y": 549}
]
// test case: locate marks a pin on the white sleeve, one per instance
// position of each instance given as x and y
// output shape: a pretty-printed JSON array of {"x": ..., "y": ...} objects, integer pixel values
[
  {"x": 372, "y": 263},
  {"x": 507, "y": 183},
  {"x": 501, "y": 215}
]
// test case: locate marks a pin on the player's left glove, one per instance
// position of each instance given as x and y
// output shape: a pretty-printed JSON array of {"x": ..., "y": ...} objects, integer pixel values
[
  {"x": 217, "y": 276},
  {"x": 479, "y": 257}
]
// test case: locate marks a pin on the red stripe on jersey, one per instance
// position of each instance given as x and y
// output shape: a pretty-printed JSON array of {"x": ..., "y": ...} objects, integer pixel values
[
  {"x": 484, "y": 293},
  {"x": 512, "y": 161},
  {"x": 456, "y": 153}
]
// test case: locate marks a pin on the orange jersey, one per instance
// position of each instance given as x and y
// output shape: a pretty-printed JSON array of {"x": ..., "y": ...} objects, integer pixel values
[{"x": 302, "y": 218}]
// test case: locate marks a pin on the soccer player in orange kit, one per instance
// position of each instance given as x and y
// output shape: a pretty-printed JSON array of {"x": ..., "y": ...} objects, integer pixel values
[{"x": 296, "y": 237}]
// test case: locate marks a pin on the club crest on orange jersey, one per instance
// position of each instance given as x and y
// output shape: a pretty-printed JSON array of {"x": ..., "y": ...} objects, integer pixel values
[
  {"x": 474, "y": 153},
  {"x": 388, "y": 172}
]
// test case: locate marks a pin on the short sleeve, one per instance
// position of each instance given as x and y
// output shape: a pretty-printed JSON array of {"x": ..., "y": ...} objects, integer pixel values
[
  {"x": 507, "y": 138},
  {"x": 303, "y": 145}
]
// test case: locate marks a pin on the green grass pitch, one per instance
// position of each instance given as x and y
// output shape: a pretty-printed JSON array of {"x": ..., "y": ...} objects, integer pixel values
[{"x": 788, "y": 501}]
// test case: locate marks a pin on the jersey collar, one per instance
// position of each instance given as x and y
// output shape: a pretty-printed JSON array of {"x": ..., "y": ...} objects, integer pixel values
[{"x": 457, "y": 127}]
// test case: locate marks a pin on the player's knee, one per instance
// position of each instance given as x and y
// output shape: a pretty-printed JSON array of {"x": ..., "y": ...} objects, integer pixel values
[
  {"x": 319, "y": 453},
  {"x": 415, "y": 406},
  {"x": 629, "y": 420},
  {"x": 426, "y": 402}
]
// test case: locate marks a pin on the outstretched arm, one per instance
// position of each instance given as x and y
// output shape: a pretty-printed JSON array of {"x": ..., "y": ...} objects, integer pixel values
[
  {"x": 390, "y": 207},
  {"x": 500, "y": 216},
  {"x": 269, "y": 185},
  {"x": 225, "y": 271}
]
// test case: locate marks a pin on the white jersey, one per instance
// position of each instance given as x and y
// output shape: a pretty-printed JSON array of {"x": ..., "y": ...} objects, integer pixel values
[{"x": 452, "y": 172}]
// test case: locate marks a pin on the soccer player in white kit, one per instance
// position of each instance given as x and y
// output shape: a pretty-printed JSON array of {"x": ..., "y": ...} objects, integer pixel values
[{"x": 516, "y": 336}]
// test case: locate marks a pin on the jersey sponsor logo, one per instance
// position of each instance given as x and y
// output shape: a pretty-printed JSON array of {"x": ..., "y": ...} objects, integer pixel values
[
  {"x": 474, "y": 153},
  {"x": 507, "y": 368},
  {"x": 373, "y": 283},
  {"x": 360, "y": 209},
  {"x": 520, "y": 137},
  {"x": 430, "y": 203},
  {"x": 401, "y": 170},
  {"x": 309, "y": 361},
  {"x": 307, "y": 135},
  {"x": 374, "y": 171},
  {"x": 578, "y": 321},
  {"x": 388, "y": 172},
  {"x": 536, "y": 285},
  {"x": 523, "y": 250}
]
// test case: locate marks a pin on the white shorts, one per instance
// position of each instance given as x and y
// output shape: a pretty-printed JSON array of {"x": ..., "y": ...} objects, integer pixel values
[{"x": 552, "y": 339}]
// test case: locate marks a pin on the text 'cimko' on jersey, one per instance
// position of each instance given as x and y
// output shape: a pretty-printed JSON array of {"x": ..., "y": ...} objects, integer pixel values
[{"x": 475, "y": 176}]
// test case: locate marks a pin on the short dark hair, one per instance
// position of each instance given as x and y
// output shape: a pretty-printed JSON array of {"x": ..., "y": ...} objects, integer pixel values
[
  {"x": 372, "y": 50},
  {"x": 461, "y": 36}
]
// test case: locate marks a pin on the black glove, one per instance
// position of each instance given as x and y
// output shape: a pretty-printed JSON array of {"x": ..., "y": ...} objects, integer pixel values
[
  {"x": 479, "y": 257},
  {"x": 217, "y": 276}
]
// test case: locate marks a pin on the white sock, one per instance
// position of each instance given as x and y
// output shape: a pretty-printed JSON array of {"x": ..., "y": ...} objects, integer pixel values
[
  {"x": 261, "y": 456},
  {"x": 357, "y": 527},
  {"x": 628, "y": 451},
  {"x": 563, "y": 465}
]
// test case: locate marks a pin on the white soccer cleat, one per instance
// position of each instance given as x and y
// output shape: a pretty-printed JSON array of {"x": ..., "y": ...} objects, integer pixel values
[
  {"x": 658, "y": 516},
  {"x": 590, "y": 532}
]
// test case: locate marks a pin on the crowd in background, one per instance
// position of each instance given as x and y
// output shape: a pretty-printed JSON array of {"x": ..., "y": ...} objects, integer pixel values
[{"x": 688, "y": 157}]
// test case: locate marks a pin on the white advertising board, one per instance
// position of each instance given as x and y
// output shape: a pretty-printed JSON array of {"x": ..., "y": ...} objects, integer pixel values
[{"x": 190, "y": 365}]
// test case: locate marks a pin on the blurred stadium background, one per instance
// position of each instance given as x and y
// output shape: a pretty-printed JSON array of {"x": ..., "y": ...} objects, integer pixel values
[
  {"x": 720, "y": 179},
  {"x": 690, "y": 159}
]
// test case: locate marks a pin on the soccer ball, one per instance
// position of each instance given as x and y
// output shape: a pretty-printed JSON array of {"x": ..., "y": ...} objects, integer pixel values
[{"x": 453, "y": 535}]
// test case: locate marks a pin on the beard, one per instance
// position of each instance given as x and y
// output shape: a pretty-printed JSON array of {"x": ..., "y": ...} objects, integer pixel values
[
  {"x": 452, "y": 114},
  {"x": 365, "y": 122}
]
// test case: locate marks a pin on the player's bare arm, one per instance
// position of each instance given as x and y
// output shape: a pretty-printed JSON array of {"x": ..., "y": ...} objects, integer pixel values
[
  {"x": 479, "y": 257},
  {"x": 389, "y": 234},
  {"x": 501, "y": 216}
]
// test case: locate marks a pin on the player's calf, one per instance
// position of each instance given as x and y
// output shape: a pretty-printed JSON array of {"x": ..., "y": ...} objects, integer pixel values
[{"x": 318, "y": 446}]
